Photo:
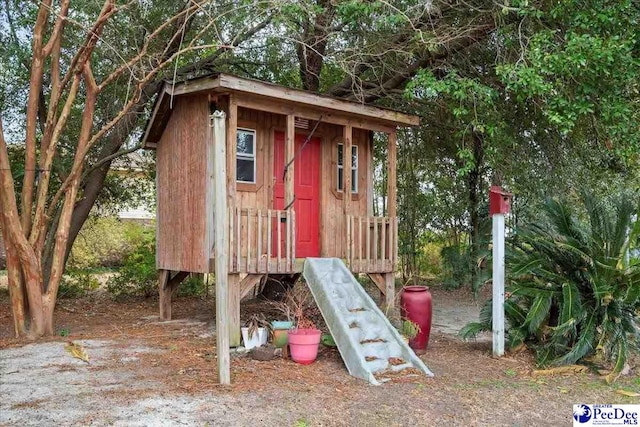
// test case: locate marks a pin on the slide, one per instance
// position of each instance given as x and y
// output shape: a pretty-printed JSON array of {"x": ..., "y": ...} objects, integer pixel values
[{"x": 372, "y": 349}]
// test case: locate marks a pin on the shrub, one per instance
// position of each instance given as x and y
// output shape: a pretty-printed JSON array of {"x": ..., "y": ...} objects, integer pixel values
[
  {"x": 457, "y": 266},
  {"x": 138, "y": 275},
  {"x": 573, "y": 294},
  {"x": 192, "y": 286},
  {"x": 76, "y": 284},
  {"x": 105, "y": 242}
]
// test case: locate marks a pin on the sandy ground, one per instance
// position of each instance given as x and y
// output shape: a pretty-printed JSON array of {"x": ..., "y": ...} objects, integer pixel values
[{"x": 148, "y": 373}]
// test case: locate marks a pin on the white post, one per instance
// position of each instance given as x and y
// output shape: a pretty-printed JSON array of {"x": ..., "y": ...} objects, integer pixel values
[
  {"x": 498, "y": 284},
  {"x": 221, "y": 247}
]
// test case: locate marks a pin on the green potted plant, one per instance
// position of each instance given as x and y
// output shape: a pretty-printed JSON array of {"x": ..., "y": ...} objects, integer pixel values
[
  {"x": 409, "y": 330},
  {"x": 255, "y": 333}
]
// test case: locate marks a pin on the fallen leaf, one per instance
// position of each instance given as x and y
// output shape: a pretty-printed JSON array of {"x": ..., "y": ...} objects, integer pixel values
[
  {"x": 77, "y": 351},
  {"x": 628, "y": 393},
  {"x": 570, "y": 369}
]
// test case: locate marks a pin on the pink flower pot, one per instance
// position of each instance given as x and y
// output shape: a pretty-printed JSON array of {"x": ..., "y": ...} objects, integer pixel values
[{"x": 303, "y": 344}]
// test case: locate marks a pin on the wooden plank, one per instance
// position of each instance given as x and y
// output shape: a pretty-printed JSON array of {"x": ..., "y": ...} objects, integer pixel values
[
  {"x": 269, "y": 220},
  {"x": 248, "y": 283},
  {"x": 279, "y": 241},
  {"x": 249, "y": 237},
  {"x": 289, "y": 153},
  {"x": 395, "y": 258},
  {"x": 348, "y": 249},
  {"x": 232, "y": 130},
  {"x": 154, "y": 129},
  {"x": 238, "y": 237},
  {"x": 346, "y": 169},
  {"x": 293, "y": 95},
  {"x": 391, "y": 175},
  {"x": 232, "y": 234},
  {"x": 391, "y": 240},
  {"x": 368, "y": 228},
  {"x": 182, "y": 242},
  {"x": 257, "y": 102},
  {"x": 378, "y": 280},
  {"x": 287, "y": 242},
  {"x": 165, "y": 295},
  {"x": 259, "y": 248},
  {"x": 234, "y": 310},
  {"x": 221, "y": 251},
  {"x": 293, "y": 238},
  {"x": 255, "y": 87},
  {"x": 370, "y": 191},
  {"x": 375, "y": 243},
  {"x": 390, "y": 291},
  {"x": 383, "y": 243},
  {"x": 209, "y": 195},
  {"x": 360, "y": 242}
]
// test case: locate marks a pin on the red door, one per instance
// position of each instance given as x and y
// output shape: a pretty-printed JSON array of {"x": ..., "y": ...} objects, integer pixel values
[{"x": 306, "y": 191}]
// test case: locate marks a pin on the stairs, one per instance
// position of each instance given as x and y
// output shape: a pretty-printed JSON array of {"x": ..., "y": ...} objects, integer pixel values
[{"x": 372, "y": 349}]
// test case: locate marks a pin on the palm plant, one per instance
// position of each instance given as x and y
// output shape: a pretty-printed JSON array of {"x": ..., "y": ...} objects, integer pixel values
[{"x": 574, "y": 294}]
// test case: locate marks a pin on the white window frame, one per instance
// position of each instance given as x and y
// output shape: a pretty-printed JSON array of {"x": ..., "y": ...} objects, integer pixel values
[
  {"x": 245, "y": 156},
  {"x": 354, "y": 168}
]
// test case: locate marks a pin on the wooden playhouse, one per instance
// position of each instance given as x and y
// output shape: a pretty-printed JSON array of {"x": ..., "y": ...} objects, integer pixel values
[{"x": 286, "y": 192}]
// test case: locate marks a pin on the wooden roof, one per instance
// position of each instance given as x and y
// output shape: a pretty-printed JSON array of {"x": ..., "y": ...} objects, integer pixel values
[{"x": 299, "y": 102}]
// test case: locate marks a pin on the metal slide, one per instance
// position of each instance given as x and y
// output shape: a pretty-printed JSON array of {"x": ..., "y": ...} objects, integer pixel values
[{"x": 372, "y": 349}]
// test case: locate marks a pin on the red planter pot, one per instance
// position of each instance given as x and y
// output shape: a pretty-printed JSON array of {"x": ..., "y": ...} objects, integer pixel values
[
  {"x": 415, "y": 305},
  {"x": 303, "y": 344}
]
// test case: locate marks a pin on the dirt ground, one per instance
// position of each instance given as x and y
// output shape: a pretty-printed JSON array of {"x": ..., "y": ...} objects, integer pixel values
[{"x": 146, "y": 373}]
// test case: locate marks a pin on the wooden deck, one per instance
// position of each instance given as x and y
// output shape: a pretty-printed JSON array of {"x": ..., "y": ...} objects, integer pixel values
[
  {"x": 262, "y": 241},
  {"x": 372, "y": 244}
]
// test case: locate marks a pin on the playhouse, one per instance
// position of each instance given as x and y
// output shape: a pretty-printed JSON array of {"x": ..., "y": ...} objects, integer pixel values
[{"x": 298, "y": 183}]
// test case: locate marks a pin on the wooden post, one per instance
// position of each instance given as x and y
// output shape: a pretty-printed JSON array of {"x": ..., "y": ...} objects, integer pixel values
[
  {"x": 498, "y": 284},
  {"x": 346, "y": 178},
  {"x": 390, "y": 291},
  {"x": 231, "y": 143},
  {"x": 391, "y": 175},
  {"x": 165, "y": 296},
  {"x": 346, "y": 170},
  {"x": 167, "y": 289},
  {"x": 221, "y": 223},
  {"x": 392, "y": 191},
  {"x": 289, "y": 153},
  {"x": 234, "y": 310}
]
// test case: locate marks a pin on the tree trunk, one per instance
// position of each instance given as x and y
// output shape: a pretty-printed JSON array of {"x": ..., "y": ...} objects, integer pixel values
[
  {"x": 313, "y": 45},
  {"x": 16, "y": 291},
  {"x": 475, "y": 191}
]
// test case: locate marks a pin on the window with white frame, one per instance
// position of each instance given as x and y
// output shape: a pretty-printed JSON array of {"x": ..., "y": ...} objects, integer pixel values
[
  {"x": 246, "y": 156},
  {"x": 354, "y": 168}
]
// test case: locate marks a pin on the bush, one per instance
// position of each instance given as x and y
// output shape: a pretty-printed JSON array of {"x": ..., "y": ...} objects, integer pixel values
[
  {"x": 105, "y": 242},
  {"x": 457, "y": 265},
  {"x": 192, "y": 286},
  {"x": 573, "y": 293},
  {"x": 76, "y": 284},
  {"x": 138, "y": 275}
]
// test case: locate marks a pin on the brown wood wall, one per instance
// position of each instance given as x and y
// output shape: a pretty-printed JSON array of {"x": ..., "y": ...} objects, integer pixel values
[
  {"x": 181, "y": 188},
  {"x": 332, "y": 222}
]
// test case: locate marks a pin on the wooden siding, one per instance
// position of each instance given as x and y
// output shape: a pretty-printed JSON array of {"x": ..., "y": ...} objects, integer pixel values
[
  {"x": 260, "y": 196},
  {"x": 181, "y": 188}
]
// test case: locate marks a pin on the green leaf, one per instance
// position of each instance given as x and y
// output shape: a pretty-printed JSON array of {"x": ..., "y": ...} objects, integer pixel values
[{"x": 538, "y": 312}]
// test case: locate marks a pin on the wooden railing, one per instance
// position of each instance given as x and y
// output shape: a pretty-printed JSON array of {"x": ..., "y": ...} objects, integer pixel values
[
  {"x": 262, "y": 240},
  {"x": 372, "y": 244}
]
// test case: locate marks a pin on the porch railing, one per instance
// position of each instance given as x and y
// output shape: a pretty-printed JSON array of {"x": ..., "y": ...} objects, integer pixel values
[
  {"x": 261, "y": 240},
  {"x": 372, "y": 244}
]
